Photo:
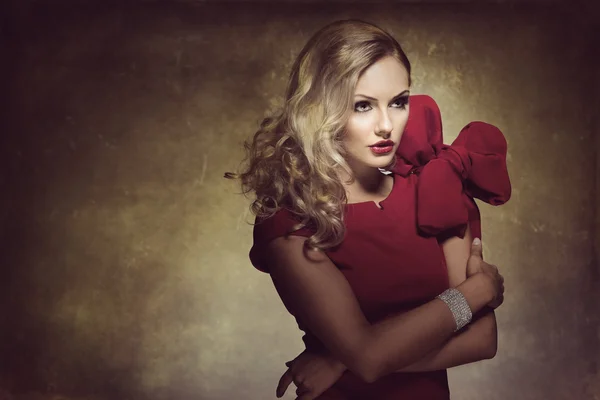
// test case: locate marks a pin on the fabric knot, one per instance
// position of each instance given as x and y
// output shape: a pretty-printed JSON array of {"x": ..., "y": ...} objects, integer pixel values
[{"x": 450, "y": 176}]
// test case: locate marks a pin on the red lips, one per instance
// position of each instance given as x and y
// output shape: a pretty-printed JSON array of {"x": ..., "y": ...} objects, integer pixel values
[
  {"x": 383, "y": 143},
  {"x": 382, "y": 147}
]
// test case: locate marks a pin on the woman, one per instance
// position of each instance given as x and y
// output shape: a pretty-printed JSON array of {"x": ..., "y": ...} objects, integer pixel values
[{"x": 339, "y": 229}]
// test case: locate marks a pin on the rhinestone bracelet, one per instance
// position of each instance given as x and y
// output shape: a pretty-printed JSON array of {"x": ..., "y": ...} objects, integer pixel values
[{"x": 457, "y": 303}]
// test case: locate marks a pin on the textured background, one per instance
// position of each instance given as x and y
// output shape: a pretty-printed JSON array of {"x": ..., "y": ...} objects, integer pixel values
[{"x": 124, "y": 269}]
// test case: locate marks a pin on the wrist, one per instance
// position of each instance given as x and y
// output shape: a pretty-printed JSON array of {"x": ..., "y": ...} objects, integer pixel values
[
  {"x": 477, "y": 290},
  {"x": 458, "y": 305}
]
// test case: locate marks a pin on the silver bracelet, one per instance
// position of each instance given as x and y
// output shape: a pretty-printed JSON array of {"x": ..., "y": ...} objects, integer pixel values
[{"x": 457, "y": 303}]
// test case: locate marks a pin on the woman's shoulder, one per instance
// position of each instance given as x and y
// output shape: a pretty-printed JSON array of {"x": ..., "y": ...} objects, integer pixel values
[{"x": 282, "y": 223}]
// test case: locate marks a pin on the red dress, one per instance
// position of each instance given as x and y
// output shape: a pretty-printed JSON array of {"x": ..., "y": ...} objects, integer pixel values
[{"x": 391, "y": 255}]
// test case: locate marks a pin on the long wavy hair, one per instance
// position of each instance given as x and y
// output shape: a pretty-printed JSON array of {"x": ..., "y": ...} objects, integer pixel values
[{"x": 293, "y": 160}]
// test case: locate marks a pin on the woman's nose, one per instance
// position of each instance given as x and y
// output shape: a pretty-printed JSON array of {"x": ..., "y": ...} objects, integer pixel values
[{"x": 384, "y": 124}]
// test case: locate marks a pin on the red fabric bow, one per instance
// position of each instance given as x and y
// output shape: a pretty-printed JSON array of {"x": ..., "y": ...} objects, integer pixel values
[{"x": 450, "y": 176}]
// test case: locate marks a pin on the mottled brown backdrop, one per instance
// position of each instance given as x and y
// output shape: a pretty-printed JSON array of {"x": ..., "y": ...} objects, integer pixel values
[{"x": 124, "y": 268}]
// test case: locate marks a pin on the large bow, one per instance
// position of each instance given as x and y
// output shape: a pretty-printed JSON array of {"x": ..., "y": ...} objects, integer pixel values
[{"x": 450, "y": 176}]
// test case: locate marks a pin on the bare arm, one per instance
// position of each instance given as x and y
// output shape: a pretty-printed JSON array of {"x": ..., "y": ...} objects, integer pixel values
[
  {"x": 478, "y": 340},
  {"x": 466, "y": 347},
  {"x": 317, "y": 293}
]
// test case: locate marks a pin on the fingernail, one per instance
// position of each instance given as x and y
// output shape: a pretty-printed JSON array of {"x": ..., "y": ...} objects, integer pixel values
[{"x": 477, "y": 241}]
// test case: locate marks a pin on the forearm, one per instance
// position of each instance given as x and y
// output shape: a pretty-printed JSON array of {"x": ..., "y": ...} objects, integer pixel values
[
  {"x": 403, "y": 340},
  {"x": 477, "y": 342}
]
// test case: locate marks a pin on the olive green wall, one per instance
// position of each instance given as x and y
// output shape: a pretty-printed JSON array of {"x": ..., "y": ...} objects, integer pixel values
[{"x": 124, "y": 252}]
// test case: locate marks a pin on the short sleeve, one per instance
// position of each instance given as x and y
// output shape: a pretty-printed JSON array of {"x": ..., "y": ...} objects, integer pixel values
[
  {"x": 281, "y": 224},
  {"x": 473, "y": 220}
]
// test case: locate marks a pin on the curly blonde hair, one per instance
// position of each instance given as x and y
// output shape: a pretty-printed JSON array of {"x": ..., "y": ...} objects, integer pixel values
[{"x": 292, "y": 162}]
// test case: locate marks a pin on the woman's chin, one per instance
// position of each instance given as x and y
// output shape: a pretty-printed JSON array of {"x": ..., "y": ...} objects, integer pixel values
[
  {"x": 384, "y": 162},
  {"x": 379, "y": 162}
]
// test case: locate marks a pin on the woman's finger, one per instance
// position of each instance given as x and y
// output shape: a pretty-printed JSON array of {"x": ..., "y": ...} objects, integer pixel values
[{"x": 284, "y": 383}]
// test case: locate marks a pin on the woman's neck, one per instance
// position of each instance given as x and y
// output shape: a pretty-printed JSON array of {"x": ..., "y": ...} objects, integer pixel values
[{"x": 366, "y": 184}]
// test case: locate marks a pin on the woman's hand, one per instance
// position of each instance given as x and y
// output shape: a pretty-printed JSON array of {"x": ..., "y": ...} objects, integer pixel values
[
  {"x": 476, "y": 265},
  {"x": 312, "y": 373}
]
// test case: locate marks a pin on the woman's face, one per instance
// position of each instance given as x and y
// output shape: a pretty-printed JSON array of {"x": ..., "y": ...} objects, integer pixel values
[{"x": 379, "y": 117}]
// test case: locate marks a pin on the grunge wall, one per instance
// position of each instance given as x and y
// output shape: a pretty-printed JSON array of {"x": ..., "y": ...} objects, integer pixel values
[{"x": 124, "y": 268}]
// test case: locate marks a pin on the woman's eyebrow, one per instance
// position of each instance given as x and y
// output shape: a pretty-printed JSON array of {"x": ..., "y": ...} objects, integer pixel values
[{"x": 406, "y": 92}]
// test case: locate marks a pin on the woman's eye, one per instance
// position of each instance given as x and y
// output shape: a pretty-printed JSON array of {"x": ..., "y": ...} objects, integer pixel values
[
  {"x": 400, "y": 103},
  {"x": 362, "y": 106}
]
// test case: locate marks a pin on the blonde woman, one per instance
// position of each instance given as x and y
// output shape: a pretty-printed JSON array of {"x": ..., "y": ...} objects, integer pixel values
[{"x": 368, "y": 243}]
